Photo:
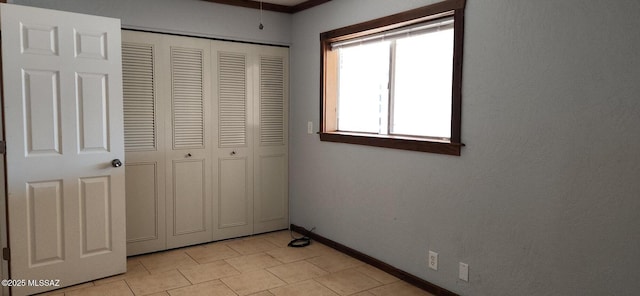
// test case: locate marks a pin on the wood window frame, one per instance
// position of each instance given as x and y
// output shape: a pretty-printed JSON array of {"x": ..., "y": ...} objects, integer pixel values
[{"x": 329, "y": 83}]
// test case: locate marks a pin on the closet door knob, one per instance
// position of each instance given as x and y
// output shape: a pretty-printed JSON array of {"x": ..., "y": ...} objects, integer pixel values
[
  {"x": 116, "y": 163},
  {"x": 188, "y": 155},
  {"x": 233, "y": 153}
]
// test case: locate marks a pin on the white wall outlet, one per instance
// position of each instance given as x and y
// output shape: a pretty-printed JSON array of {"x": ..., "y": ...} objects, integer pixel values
[
  {"x": 433, "y": 260},
  {"x": 464, "y": 272},
  {"x": 310, "y": 127}
]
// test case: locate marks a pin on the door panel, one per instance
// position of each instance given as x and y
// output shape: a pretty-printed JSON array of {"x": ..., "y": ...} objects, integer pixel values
[
  {"x": 189, "y": 210},
  {"x": 188, "y": 183},
  {"x": 271, "y": 148},
  {"x": 90, "y": 44},
  {"x": 41, "y": 101},
  {"x": 273, "y": 187},
  {"x": 187, "y": 97},
  {"x": 271, "y": 101},
  {"x": 234, "y": 197},
  {"x": 233, "y": 203},
  {"x": 144, "y": 123},
  {"x": 63, "y": 117},
  {"x": 45, "y": 223},
  {"x": 93, "y": 119},
  {"x": 141, "y": 111},
  {"x": 142, "y": 202},
  {"x": 232, "y": 100},
  {"x": 39, "y": 39},
  {"x": 95, "y": 215}
]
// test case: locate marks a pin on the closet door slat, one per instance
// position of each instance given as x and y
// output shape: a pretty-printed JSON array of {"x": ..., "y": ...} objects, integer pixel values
[
  {"x": 139, "y": 102},
  {"x": 187, "y": 104},
  {"x": 232, "y": 99},
  {"x": 272, "y": 101}
]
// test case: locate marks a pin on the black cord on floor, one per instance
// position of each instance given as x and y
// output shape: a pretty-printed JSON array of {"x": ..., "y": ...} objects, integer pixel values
[{"x": 301, "y": 241}]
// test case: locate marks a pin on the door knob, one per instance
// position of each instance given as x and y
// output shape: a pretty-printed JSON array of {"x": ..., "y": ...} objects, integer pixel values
[
  {"x": 233, "y": 153},
  {"x": 116, "y": 163}
]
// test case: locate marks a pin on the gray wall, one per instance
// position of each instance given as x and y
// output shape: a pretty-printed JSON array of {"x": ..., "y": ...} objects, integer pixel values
[
  {"x": 190, "y": 17},
  {"x": 545, "y": 199}
]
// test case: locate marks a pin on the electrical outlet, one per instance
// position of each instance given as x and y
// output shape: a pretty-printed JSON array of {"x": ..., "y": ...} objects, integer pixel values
[
  {"x": 463, "y": 274},
  {"x": 309, "y": 127},
  {"x": 433, "y": 260}
]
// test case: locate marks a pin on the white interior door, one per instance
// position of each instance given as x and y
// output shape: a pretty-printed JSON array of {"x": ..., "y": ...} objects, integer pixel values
[{"x": 63, "y": 121}]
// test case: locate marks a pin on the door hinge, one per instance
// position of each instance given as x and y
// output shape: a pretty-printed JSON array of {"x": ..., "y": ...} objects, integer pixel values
[
  {"x": 3, "y": 147},
  {"x": 6, "y": 254}
]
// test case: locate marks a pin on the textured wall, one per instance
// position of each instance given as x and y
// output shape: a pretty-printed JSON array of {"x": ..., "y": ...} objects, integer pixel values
[
  {"x": 545, "y": 199},
  {"x": 191, "y": 17}
]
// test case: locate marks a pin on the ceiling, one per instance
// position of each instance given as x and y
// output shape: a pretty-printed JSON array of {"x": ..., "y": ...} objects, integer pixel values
[{"x": 287, "y": 6}]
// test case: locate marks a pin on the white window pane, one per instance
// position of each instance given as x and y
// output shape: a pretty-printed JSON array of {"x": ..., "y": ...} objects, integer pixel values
[
  {"x": 423, "y": 77},
  {"x": 363, "y": 94}
]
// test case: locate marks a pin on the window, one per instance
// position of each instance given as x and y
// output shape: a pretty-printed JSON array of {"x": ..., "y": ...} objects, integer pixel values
[{"x": 396, "y": 81}]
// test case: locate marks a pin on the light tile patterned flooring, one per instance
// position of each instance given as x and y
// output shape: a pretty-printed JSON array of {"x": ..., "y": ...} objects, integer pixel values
[{"x": 260, "y": 265}]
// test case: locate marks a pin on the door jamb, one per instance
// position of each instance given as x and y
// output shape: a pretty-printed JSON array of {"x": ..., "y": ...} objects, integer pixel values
[{"x": 4, "y": 215}]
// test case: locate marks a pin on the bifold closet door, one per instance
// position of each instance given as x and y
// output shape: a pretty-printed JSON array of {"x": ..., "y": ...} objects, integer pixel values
[
  {"x": 251, "y": 103},
  {"x": 167, "y": 118},
  {"x": 188, "y": 172},
  {"x": 271, "y": 198},
  {"x": 144, "y": 144},
  {"x": 206, "y": 138},
  {"x": 233, "y": 156}
]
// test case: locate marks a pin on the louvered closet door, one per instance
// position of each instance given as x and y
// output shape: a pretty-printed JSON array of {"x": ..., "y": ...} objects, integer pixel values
[
  {"x": 144, "y": 143},
  {"x": 188, "y": 163},
  {"x": 233, "y": 156},
  {"x": 270, "y": 141}
]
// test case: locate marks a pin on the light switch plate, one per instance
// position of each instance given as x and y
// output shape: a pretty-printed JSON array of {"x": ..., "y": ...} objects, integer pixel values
[{"x": 464, "y": 272}]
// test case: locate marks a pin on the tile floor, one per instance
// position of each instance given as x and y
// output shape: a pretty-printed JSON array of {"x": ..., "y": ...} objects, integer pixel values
[{"x": 260, "y": 265}]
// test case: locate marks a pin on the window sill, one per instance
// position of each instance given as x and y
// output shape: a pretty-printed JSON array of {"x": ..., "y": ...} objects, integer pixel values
[{"x": 394, "y": 142}]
